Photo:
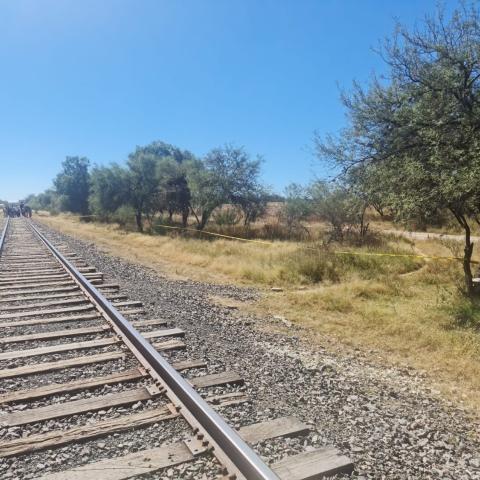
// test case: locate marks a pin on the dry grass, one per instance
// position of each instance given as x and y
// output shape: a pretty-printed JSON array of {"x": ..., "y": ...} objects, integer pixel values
[
  {"x": 367, "y": 302},
  {"x": 404, "y": 320},
  {"x": 273, "y": 264}
]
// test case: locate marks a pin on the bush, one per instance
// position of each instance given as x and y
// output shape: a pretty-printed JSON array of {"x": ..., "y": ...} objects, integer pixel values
[
  {"x": 124, "y": 216},
  {"x": 315, "y": 265},
  {"x": 227, "y": 217},
  {"x": 465, "y": 313}
]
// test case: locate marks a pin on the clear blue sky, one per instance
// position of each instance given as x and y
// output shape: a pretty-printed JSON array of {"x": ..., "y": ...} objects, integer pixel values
[{"x": 97, "y": 77}]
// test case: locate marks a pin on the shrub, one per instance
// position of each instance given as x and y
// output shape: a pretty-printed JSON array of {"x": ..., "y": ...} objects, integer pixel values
[
  {"x": 124, "y": 216},
  {"x": 465, "y": 313},
  {"x": 227, "y": 217}
]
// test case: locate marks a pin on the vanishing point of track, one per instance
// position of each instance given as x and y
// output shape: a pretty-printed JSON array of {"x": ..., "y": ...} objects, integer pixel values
[{"x": 57, "y": 313}]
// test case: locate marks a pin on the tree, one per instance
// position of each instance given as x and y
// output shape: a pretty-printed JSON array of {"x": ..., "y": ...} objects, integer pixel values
[
  {"x": 253, "y": 204},
  {"x": 174, "y": 191},
  {"x": 343, "y": 210},
  {"x": 165, "y": 150},
  {"x": 73, "y": 184},
  {"x": 109, "y": 190},
  {"x": 143, "y": 188},
  {"x": 416, "y": 135},
  {"x": 297, "y": 207},
  {"x": 47, "y": 200},
  {"x": 227, "y": 175}
]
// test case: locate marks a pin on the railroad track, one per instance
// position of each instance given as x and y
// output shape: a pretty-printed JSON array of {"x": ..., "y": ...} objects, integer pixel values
[{"x": 80, "y": 365}]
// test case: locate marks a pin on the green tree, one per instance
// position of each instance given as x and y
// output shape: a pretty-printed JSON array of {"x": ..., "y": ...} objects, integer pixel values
[
  {"x": 296, "y": 208},
  {"x": 47, "y": 200},
  {"x": 109, "y": 190},
  {"x": 227, "y": 175},
  {"x": 143, "y": 188},
  {"x": 165, "y": 150},
  {"x": 73, "y": 184},
  {"x": 253, "y": 203},
  {"x": 174, "y": 191},
  {"x": 415, "y": 136},
  {"x": 343, "y": 210}
]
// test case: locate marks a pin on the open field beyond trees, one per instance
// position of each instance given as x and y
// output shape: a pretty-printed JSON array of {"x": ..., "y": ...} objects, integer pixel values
[{"x": 403, "y": 310}]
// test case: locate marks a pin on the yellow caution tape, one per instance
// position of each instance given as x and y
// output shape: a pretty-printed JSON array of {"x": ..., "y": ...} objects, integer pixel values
[
  {"x": 264, "y": 242},
  {"x": 336, "y": 252}
]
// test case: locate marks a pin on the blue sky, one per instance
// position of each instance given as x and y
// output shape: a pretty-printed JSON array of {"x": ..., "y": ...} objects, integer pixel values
[{"x": 96, "y": 78}]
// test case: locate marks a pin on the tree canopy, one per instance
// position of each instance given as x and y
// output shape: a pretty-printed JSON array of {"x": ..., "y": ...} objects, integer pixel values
[
  {"x": 412, "y": 142},
  {"x": 73, "y": 184}
]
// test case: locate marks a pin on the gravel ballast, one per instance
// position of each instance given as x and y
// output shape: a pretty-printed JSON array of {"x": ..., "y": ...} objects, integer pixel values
[{"x": 385, "y": 419}]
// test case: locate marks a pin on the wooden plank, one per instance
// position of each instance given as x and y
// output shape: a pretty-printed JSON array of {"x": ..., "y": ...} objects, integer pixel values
[
  {"x": 70, "y": 287},
  {"x": 41, "y": 268},
  {"x": 56, "y": 303},
  {"x": 138, "y": 311},
  {"x": 73, "y": 332},
  {"x": 166, "y": 332},
  {"x": 18, "y": 276},
  {"x": 131, "y": 303},
  {"x": 279, "y": 427},
  {"x": 215, "y": 379},
  {"x": 27, "y": 266},
  {"x": 37, "y": 284},
  {"x": 38, "y": 261},
  {"x": 106, "y": 286},
  {"x": 51, "y": 311},
  {"x": 129, "y": 466},
  {"x": 74, "y": 407},
  {"x": 44, "y": 321},
  {"x": 60, "y": 365},
  {"x": 321, "y": 463},
  {"x": 61, "y": 388},
  {"x": 91, "y": 276},
  {"x": 13, "y": 282},
  {"x": 78, "y": 293},
  {"x": 187, "y": 364},
  {"x": 66, "y": 347},
  {"x": 146, "y": 323},
  {"x": 49, "y": 296},
  {"x": 151, "y": 460},
  {"x": 29, "y": 272},
  {"x": 169, "y": 345},
  {"x": 58, "y": 438},
  {"x": 227, "y": 399},
  {"x": 63, "y": 347}
]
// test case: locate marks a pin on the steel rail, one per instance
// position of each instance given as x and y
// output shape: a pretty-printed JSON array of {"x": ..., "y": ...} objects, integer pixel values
[
  {"x": 4, "y": 234},
  {"x": 247, "y": 463}
]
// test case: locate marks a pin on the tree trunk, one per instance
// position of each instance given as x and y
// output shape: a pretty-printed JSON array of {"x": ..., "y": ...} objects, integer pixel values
[
  {"x": 194, "y": 214},
  {"x": 138, "y": 220},
  {"x": 203, "y": 220},
  {"x": 185, "y": 213},
  {"x": 467, "y": 257},
  {"x": 363, "y": 227},
  {"x": 467, "y": 254},
  {"x": 378, "y": 209}
]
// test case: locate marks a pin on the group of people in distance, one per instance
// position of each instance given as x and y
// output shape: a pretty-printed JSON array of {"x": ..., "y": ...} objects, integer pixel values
[{"x": 20, "y": 210}]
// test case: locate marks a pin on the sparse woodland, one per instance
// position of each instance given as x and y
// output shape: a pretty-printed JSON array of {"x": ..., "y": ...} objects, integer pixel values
[{"x": 410, "y": 153}]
